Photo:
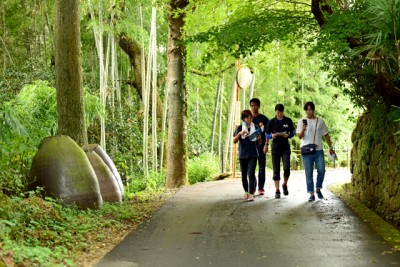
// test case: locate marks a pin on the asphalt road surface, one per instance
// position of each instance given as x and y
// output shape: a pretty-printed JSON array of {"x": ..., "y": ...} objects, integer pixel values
[{"x": 210, "y": 224}]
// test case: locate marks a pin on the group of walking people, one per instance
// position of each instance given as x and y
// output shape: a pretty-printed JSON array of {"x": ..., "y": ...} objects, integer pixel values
[{"x": 257, "y": 132}]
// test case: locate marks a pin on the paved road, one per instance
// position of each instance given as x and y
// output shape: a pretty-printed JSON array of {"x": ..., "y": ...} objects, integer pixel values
[{"x": 209, "y": 224}]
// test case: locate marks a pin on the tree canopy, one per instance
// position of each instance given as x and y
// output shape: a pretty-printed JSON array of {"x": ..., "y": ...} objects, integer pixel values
[{"x": 293, "y": 58}]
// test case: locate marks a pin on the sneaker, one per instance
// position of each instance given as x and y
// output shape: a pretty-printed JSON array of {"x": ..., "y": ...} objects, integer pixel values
[
  {"x": 285, "y": 191},
  {"x": 312, "y": 198},
  {"x": 277, "y": 194},
  {"x": 250, "y": 198},
  {"x": 246, "y": 195},
  {"x": 261, "y": 192},
  {"x": 319, "y": 194}
]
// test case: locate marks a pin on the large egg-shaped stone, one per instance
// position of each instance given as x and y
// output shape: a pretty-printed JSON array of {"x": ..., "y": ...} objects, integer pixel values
[
  {"x": 109, "y": 188},
  {"x": 62, "y": 168},
  {"x": 108, "y": 161}
]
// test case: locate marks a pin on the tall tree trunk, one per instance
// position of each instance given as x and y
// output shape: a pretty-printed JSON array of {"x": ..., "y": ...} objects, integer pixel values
[
  {"x": 177, "y": 97},
  {"x": 71, "y": 113}
]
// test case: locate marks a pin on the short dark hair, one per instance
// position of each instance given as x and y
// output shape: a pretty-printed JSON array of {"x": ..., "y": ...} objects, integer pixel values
[
  {"x": 246, "y": 113},
  {"x": 309, "y": 104},
  {"x": 280, "y": 107},
  {"x": 255, "y": 100}
]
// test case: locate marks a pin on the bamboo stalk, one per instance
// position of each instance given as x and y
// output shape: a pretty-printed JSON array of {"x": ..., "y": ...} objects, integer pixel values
[
  {"x": 229, "y": 128},
  {"x": 215, "y": 115},
  {"x": 220, "y": 116},
  {"x": 154, "y": 85}
]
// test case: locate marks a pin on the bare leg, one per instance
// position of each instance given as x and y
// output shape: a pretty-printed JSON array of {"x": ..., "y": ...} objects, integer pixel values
[
  {"x": 277, "y": 184},
  {"x": 285, "y": 180},
  {"x": 278, "y": 192}
]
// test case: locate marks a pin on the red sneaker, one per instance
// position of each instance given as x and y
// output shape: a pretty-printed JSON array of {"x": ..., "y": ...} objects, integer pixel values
[{"x": 261, "y": 192}]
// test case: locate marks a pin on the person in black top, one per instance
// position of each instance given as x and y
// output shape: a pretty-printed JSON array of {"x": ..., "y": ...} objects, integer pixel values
[
  {"x": 280, "y": 129},
  {"x": 262, "y": 121},
  {"x": 245, "y": 134}
]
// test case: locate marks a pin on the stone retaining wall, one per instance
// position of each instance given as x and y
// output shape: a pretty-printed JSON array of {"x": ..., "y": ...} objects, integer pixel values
[{"x": 375, "y": 165}]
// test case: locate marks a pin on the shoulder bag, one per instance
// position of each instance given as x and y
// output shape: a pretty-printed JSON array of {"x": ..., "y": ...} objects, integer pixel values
[{"x": 310, "y": 149}]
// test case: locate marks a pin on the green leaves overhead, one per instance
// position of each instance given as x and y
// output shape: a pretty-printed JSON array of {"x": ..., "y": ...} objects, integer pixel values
[
  {"x": 251, "y": 27},
  {"x": 359, "y": 47},
  {"x": 381, "y": 42}
]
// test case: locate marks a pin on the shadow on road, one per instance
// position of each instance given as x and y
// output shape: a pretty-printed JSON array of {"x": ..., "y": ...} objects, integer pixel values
[{"x": 209, "y": 224}]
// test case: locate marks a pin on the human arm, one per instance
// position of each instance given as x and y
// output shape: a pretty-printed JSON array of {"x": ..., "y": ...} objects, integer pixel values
[
  {"x": 290, "y": 134},
  {"x": 265, "y": 148},
  {"x": 240, "y": 132},
  {"x": 328, "y": 140},
  {"x": 237, "y": 136},
  {"x": 264, "y": 125},
  {"x": 301, "y": 129},
  {"x": 268, "y": 136},
  {"x": 291, "y": 128}
]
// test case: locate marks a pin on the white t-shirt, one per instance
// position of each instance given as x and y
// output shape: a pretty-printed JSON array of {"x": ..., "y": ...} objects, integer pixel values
[{"x": 308, "y": 137}]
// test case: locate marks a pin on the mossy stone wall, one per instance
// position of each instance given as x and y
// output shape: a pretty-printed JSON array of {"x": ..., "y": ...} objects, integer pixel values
[{"x": 375, "y": 164}]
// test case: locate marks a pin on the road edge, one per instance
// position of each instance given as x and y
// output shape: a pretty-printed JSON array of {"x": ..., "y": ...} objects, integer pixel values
[{"x": 388, "y": 232}]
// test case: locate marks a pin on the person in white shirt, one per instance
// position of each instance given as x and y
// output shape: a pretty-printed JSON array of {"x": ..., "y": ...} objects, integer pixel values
[{"x": 310, "y": 131}]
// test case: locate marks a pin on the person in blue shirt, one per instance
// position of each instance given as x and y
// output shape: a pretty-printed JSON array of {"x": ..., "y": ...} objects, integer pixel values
[
  {"x": 279, "y": 130},
  {"x": 246, "y": 135}
]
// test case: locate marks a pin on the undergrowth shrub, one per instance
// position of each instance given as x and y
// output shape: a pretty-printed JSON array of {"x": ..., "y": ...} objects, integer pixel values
[
  {"x": 154, "y": 182},
  {"x": 36, "y": 231},
  {"x": 203, "y": 168},
  {"x": 41, "y": 232}
]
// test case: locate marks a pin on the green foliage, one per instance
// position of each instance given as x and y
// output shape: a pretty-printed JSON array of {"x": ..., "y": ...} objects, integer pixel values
[
  {"x": 383, "y": 19},
  {"x": 154, "y": 182},
  {"x": 202, "y": 168},
  {"x": 33, "y": 230},
  {"x": 124, "y": 137},
  {"x": 26, "y": 41},
  {"x": 10, "y": 124},
  {"x": 286, "y": 74},
  {"x": 44, "y": 233},
  {"x": 201, "y": 107},
  {"x": 94, "y": 110},
  {"x": 333, "y": 46},
  {"x": 36, "y": 108},
  {"x": 371, "y": 28},
  {"x": 34, "y": 117},
  {"x": 253, "y": 25},
  {"x": 394, "y": 115}
]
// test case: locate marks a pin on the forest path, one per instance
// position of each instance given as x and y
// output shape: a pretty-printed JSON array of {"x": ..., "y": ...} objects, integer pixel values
[{"x": 209, "y": 224}]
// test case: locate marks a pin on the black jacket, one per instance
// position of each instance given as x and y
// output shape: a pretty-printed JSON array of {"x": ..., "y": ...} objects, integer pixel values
[{"x": 247, "y": 148}]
